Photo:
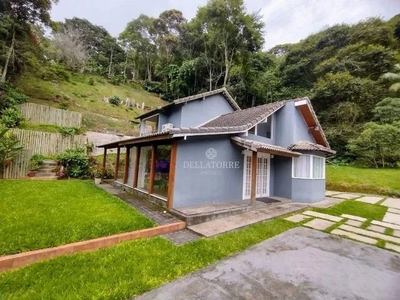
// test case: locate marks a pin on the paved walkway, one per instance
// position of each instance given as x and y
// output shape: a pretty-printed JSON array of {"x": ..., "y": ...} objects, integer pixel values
[
  {"x": 374, "y": 232},
  {"x": 298, "y": 264},
  {"x": 153, "y": 212}
]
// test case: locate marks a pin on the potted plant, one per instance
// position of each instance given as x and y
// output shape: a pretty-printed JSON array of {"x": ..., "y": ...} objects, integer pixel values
[
  {"x": 97, "y": 178},
  {"x": 35, "y": 164}
]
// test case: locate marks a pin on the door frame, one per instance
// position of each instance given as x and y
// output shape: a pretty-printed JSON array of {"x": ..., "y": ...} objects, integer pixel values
[{"x": 248, "y": 153}]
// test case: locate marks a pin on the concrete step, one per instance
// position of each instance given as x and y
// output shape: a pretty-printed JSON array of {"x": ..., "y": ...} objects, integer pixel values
[{"x": 226, "y": 224}]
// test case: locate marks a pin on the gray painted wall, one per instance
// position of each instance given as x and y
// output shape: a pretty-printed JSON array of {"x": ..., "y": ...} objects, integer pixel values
[
  {"x": 197, "y": 112},
  {"x": 202, "y": 186},
  {"x": 173, "y": 116},
  {"x": 282, "y": 176},
  {"x": 290, "y": 126},
  {"x": 308, "y": 190}
]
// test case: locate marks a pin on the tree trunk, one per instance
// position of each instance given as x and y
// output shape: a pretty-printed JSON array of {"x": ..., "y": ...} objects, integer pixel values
[
  {"x": 8, "y": 57},
  {"x": 227, "y": 65},
  {"x": 210, "y": 79},
  {"x": 125, "y": 66},
  {"x": 111, "y": 62}
]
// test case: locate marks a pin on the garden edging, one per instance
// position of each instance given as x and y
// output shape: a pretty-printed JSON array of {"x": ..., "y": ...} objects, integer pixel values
[{"x": 22, "y": 259}]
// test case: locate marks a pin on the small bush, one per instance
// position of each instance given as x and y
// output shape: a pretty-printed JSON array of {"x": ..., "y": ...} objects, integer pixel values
[
  {"x": 36, "y": 162},
  {"x": 115, "y": 100},
  {"x": 69, "y": 131},
  {"x": 75, "y": 163},
  {"x": 91, "y": 81},
  {"x": 63, "y": 105},
  {"x": 116, "y": 80},
  {"x": 11, "y": 117}
]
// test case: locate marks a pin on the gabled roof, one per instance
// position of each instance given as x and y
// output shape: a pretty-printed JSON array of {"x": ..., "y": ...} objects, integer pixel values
[
  {"x": 222, "y": 91},
  {"x": 308, "y": 146},
  {"x": 263, "y": 147}
]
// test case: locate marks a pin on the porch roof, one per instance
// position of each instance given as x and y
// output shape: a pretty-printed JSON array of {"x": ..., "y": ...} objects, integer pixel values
[
  {"x": 263, "y": 147},
  {"x": 308, "y": 146},
  {"x": 159, "y": 136}
]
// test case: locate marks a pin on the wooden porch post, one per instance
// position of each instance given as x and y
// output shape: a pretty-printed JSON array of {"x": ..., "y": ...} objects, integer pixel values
[
  {"x": 117, "y": 163},
  {"x": 126, "y": 165},
  {"x": 253, "y": 177},
  {"x": 103, "y": 168},
  {"x": 152, "y": 169},
  {"x": 171, "y": 176},
  {"x": 136, "y": 171}
]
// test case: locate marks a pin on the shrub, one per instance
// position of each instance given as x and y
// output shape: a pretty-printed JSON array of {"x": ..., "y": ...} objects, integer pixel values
[
  {"x": 63, "y": 105},
  {"x": 36, "y": 162},
  {"x": 11, "y": 117},
  {"x": 115, "y": 100},
  {"x": 69, "y": 131},
  {"x": 76, "y": 163},
  {"x": 91, "y": 81}
]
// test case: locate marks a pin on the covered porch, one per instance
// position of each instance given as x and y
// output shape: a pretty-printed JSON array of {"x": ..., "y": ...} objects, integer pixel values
[{"x": 146, "y": 166}]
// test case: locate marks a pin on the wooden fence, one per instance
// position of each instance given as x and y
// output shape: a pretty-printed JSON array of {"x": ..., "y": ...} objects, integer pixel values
[
  {"x": 19, "y": 166},
  {"x": 48, "y": 143},
  {"x": 42, "y": 114}
]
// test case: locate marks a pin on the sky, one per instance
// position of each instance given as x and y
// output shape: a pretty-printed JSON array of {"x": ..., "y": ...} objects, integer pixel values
[{"x": 286, "y": 21}]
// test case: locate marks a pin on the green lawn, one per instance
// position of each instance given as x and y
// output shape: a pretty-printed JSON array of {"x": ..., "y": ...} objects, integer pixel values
[
  {"x": 361, "y": 209},
  {"x": 130, "y": 268},
  {"x": 363, "y": 180},
  {"x": 40, "y": 214}
]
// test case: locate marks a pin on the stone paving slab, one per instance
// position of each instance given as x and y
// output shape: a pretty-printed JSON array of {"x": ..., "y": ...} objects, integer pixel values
[
  {"x": 392, "y": 202},
  {"x": 394, "y": 210},
  {"x": 392, "y": 218},
  {"x": 328, "y": 202},
  {"x": 354, "y": 223},
  {"x": 346, "y": 196},
  {"x": 357, "y": 218},
  {"x": 354, "y": 236},
  {"x": 322, "y": 216},
  {"x": 396, "y": 233},
  {"x": 218, "y": 226},
  {"x": 392, "y": 247},
  {"x": 376, "y": 228},
  {"x": 370, "y": 199},
  {"x": 331, "y": 193},
  {"x": 370, "y": 233},
  {"x": 297, "y": 218},
  {"x": 319, "y": 224},
  {"x": 387, "y": 225}
]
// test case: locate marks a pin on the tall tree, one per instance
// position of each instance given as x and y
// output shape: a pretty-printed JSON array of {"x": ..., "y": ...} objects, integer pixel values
[{"x": 18, "y": 17}]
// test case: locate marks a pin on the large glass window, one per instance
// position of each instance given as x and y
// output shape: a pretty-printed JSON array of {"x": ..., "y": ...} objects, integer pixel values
[
  {"x": 309, "y": 166},
  {"x": 163, "y": 155},
  {"x": 144, "y": 168},
  {"x": 121, "y": 165},
  {"x": 131, "y": 167}
]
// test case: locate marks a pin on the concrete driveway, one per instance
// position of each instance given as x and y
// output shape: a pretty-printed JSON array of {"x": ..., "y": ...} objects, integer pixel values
[{"x": 298, "y": 264}]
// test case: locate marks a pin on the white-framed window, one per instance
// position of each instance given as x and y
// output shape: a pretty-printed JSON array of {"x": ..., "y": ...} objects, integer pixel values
[{"x": 308, "y": 167}]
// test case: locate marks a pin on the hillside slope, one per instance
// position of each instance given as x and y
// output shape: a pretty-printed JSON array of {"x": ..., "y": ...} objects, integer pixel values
[{"x": 84, "y": 93}]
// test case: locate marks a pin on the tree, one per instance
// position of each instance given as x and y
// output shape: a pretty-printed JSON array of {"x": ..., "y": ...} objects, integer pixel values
[
  {"x": 9, "y": 148},
  {"x": 70, "y": 48},
  {"x": 387, "y": 110},
  {"x": 18, "y": 17},
  {"x": 393, "y": 78},
  {"x": 378, "y": 145},
  {"x": 227, "y": 31}
]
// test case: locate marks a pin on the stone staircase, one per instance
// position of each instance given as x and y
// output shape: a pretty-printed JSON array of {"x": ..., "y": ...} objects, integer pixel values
[{"x": 47, "y": 171}]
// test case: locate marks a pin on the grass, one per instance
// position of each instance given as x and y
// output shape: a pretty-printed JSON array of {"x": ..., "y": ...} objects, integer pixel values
[
  {"x": 363, "y": 180},
  {"x": 40, "y": 214},
  {"x": 79, "y": 95},
  {"x": 356, "y": 208},
  {"x": 130, "y": 268},
  {"x": 40, "y": 127}
]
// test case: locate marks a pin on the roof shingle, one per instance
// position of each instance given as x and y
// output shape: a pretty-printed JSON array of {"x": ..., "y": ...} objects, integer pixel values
[{"x": 308, "y": 146}]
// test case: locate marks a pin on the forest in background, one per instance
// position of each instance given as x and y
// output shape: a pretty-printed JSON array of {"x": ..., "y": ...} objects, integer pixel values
[{"x": 350, "y": 73}]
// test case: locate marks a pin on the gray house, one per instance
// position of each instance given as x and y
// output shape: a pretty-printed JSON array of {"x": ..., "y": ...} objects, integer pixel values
[{"x": 204, "y": 149}]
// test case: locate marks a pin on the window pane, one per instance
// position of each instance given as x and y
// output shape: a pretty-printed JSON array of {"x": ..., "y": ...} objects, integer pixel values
[
  {"x": 301, "y": 168},
  {"x": 121, "y": 165},
  {"x": 144, "y": 168},
  {"x": 131, "y": 168},
  {"x": 318, "y": 167},
  {"x": 163, "y": 156}
]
